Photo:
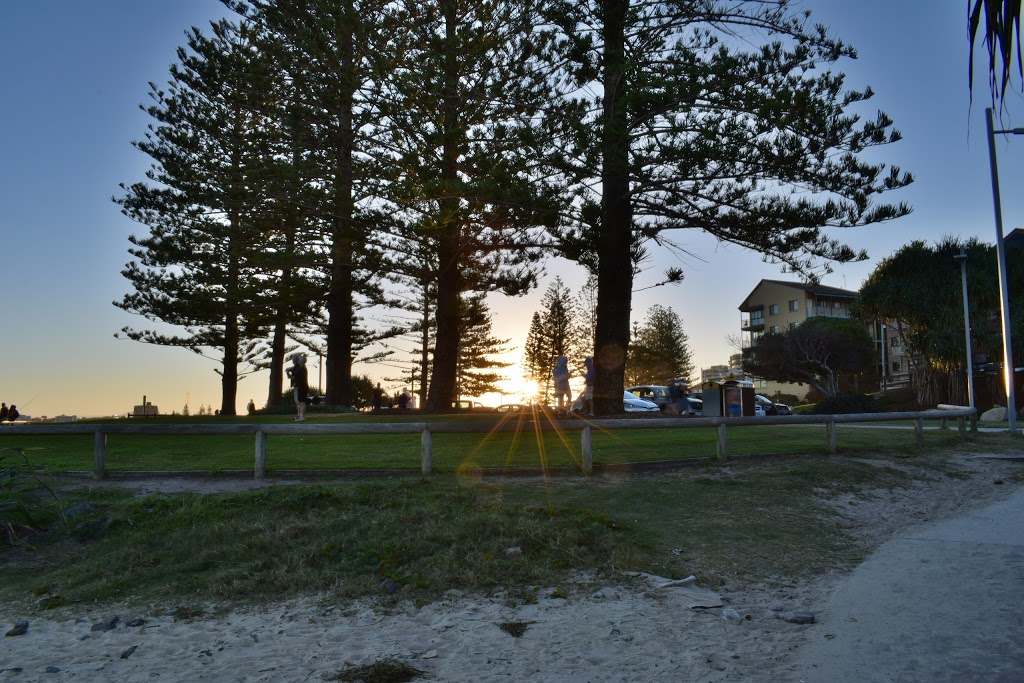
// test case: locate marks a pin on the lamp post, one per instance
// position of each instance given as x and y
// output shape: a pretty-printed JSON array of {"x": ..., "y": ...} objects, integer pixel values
[
  {"x": 961, "y": 258},
  {"x": 885, "y": 367},
  {"x": 1004, "y": 298}
]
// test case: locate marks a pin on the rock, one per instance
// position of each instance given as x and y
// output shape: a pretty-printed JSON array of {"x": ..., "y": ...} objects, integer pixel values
[
  {"x": 607, "y": 594},
  {"x": 136, "y": 622},
  {"x": 514, "y": 551},
  {"x": 796, "y": 617},
  {"x": 128, "y": 653},
  {"x": 388, "y": 586},
  {"x": 20, "y": 629},
  {"x": 997, "y": 414},
  {"x": 78, "y": 510},
  {"x": 731, "y": 615},
  {"x": 51, "y": 602},
  {"x": 108, "y": 625},
  {"x": 53, "y": 669}
]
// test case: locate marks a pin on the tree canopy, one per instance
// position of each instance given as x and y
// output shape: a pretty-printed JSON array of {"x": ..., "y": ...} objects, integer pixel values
[
  {"x": 714, "y": 116},
  {"x": 996, "y": 24},
  {"x": 328, "y": 152},
  {"x": 818, "y": 352},
  {"x": 659, "y": 349},
  {"x": 918, "y": 291}
]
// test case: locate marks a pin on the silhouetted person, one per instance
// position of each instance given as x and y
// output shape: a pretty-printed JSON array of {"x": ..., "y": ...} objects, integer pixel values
[
  {"x": 300, "y": 384},
  {"x": 13, "y": 413},
  {"x": 560, "y": 376},
  {"x": 251, "y": 408},
  {"x": 378, "y": 398},
  {"x": 403, "y": 400},
  {"x": 3, "y": 412}
]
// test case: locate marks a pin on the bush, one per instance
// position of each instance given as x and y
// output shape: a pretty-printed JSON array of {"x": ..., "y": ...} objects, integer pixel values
[
  {"x": 27, "y": 503},
  {"x": 845, "y": 404}
]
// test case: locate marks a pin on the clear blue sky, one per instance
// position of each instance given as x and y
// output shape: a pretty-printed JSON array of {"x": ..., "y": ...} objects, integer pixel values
[{"x": 74, "y": 74}]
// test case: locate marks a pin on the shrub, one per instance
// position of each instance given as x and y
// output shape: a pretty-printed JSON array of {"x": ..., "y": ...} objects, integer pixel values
[
  {"x": 27, "y": 502},
  {"x": 845, "y": 404}
]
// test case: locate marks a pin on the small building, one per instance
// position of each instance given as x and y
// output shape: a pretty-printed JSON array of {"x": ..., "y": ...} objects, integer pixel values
[{"x": 147, "y": 409}]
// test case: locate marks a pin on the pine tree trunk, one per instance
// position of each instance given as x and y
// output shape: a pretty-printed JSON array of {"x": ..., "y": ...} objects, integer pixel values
[
  {"x": 449, "y": 284},
  {"x": 340, "y": 308},
  {"x": 615, "y": 279}
]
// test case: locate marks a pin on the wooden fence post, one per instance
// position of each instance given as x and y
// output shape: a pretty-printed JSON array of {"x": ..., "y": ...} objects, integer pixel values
[
  {"x": 261, "y": 455},
  {"x": 919, "y": 430},
  {"x": 830, "y": 430},
  {"x": 587, "y": 450},
  {"x": 723, "y": 446},
  {"x": 99, "y": 456},
  {"x": 427, "y": 452}
]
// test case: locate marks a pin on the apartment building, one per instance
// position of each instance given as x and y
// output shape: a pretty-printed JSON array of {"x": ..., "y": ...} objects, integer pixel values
[{"x": 776, "y": 306}]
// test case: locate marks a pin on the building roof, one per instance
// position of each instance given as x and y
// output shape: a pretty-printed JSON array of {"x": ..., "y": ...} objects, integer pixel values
[
  {"x": 809, "y": 288},
  {"x": 1015, "y": 239}
]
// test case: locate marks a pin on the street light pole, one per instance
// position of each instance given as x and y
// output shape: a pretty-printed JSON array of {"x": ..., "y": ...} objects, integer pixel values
[
  {"x": 962, "y": 259},
  {"x": 885, "y": 367},
  {"x": 1004, "y": 297}
]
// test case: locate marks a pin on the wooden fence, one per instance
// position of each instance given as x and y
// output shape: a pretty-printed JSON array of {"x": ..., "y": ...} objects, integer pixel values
[{"x": 426, "y": 430}]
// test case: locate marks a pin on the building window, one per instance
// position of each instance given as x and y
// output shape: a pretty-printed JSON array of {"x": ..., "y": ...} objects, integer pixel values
[
  {"x": 896, "y": 367},
  {"x": 794, "y": 305},
  {"x": 774, "y": 329},
  {"x": 792, "y": 326},
  {"x": 894, "y": 342},
  {"x": 773, "y": 309}
]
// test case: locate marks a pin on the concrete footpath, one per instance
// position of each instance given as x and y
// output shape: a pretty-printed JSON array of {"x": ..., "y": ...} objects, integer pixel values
[{"x": 941, "y": 602}]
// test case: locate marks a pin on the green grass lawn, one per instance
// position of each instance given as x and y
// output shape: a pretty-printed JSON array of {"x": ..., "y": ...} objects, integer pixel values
[
  {"x": 453, "y": 452},
  {"x": 756, "y": 519},
  {"x": 751, "y": 520}
]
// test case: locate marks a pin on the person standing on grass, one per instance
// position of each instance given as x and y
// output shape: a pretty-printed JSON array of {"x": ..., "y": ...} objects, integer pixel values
[
  {"x": 377, "y": 402},
  {"x": 299, "y": 376},
  {"x": 3, "y": 412},
  {"x": 590, "y": 377},
  {"x": 560, "y": 375},
  {"x": 677, "y": 393}
]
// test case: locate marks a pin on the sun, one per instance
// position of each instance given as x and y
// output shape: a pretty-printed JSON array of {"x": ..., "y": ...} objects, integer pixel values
[{"x": 522, "y": 389}]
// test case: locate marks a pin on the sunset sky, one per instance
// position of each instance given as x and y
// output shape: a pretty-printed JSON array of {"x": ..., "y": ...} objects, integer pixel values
[{"x": 75, "y": 72}]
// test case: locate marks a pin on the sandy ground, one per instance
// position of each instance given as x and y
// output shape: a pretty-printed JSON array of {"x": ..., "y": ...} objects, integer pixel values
[{"x": 654, "y": 632}]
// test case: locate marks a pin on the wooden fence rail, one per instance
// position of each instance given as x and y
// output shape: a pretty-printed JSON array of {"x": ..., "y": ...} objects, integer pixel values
[{"x": 426, "y": 430}]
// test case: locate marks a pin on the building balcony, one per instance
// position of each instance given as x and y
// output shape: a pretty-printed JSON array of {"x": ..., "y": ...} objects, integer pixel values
[
  {"x": 752, "y": 324},
  {"x": 827, "y": 312}
]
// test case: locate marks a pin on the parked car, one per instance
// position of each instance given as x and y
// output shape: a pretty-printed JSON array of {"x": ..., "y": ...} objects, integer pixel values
[
  {"x": 696, "y": 406},
  {"x": 771, "y": 407},
  {"x": 654, "y": 393},
  {"x": 630, "y": 403},
  {"x": 470, "y": 407},
  {"x": 512, "y": 408}
]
